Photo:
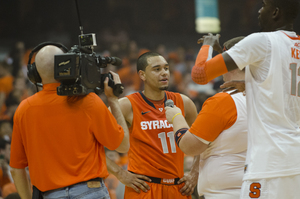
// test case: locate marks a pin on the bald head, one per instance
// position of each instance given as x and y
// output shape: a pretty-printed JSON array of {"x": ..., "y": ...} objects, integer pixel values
[{"x": 44, "y": 61}]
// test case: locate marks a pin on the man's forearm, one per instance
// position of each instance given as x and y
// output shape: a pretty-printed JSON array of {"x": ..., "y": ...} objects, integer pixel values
[
  {"x": 22, "y": 183},
  {"x": 112, "y": 167},
  {"x": 195, "y": 165},
  {"x": 206, "y": 69},
  {"x": 117, "y": 113}
]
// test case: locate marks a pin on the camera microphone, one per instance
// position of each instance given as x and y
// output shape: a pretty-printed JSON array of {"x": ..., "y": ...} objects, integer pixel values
[
  {"x": 169, "y": 103},
  {"x": 114, "y": 61}
]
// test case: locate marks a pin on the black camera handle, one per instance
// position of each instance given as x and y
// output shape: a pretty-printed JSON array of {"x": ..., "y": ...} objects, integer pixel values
[{"x": 117, "y": 88}]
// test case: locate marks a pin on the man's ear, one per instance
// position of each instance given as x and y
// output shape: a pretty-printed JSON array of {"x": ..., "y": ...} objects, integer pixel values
[
  {"x": 276, "y": 13},
  {"x": 142, "y": 75}
]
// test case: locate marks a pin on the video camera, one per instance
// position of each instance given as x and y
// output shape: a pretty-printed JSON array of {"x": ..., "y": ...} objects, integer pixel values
[{"x": 79, "y": 70}]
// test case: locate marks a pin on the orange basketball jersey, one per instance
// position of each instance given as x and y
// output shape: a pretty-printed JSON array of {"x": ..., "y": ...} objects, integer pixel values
[{"x": 153, "y": 151}]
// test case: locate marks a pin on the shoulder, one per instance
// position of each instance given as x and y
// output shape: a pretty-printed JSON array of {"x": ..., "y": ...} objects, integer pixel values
[
  {"x": 88, "y": 101},
  {"x": 22, "y": 107},
  {"x": 253, "y": 40},
  {"x": 126, "y": 107},
  {"x": 220, "y": 96},
  {"x": 190, "y": 110},
  {"x": 221, "y": 99},
  {"x": 124, "y": 101},
  {"x": 256, "y": 37},
  {"x": 186, "y": 99}
]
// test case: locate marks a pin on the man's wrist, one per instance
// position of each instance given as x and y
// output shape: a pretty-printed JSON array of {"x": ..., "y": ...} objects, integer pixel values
[{"x": 112, "y": 99}]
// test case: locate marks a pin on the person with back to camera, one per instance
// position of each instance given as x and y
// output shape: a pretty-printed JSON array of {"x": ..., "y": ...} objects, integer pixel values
[
  {"x": 272, "y": 62},
  {"x": 61, "y": 138},
  {"x": 222, "y": 128},
  {"x": 155, "y": 163}
]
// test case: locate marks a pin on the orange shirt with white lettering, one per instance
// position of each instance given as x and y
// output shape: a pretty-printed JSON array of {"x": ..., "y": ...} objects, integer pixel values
[
  {"x": 153, "y": 151},
  {"x": 61, "y": 139}
]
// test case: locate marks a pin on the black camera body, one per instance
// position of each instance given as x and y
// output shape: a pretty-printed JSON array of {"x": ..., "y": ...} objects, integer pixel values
[{"x": 79, "y": 70}]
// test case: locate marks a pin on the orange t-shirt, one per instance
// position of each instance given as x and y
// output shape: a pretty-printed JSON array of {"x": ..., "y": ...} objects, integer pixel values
[
  {"x": 218, "y": 113},
  {"x": 153, "y": 151},
  {"x": 61, "y": 138}
]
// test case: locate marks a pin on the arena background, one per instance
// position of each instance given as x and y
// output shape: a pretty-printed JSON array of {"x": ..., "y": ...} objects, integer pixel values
[{"x": 149, "y": 22}]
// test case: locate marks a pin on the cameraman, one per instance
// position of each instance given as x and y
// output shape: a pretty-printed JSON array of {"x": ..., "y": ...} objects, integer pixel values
[{"x": 61, "y": 138}]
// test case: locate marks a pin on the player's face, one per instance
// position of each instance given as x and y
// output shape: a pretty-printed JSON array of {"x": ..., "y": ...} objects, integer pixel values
[
  {"x": 265, "y": 15},
  {"x": 157, "y": 73}
]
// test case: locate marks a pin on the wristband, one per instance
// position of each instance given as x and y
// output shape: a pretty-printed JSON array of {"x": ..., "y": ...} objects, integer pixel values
[
  {"x": 178, "y": 135},
  {"x": 175, "y": 116}
]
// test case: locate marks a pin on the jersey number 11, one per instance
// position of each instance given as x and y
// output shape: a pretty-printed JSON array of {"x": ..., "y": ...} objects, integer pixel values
[{"x": 163, "y": 139}]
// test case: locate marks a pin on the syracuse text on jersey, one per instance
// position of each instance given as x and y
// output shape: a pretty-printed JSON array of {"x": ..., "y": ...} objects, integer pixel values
[{"x": 155, "y": 124}]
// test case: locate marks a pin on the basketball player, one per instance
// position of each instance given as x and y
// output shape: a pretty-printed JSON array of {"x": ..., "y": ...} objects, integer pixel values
[
  {"x": 153, "y": 152},
  {"x": 273, "y": 100}
]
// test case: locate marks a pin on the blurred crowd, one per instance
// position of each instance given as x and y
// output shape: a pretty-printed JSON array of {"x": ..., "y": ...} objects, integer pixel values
[{"x": 15, "y": 87}]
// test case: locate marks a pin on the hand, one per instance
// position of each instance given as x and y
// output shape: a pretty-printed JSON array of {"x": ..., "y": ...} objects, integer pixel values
[
  {"x": 107, "y": 89},
  {"x": 237, "y": 85},
  {"x": 134, "y": 181},
  {"x": 212, "y": 40},
  {"x": 190, "y": 181},
  {"x": 171, "y": 112}
]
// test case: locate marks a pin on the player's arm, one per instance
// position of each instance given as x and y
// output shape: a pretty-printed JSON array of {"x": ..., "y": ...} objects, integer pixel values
[
  {"x": 218, "y": 113},
  {"x": 126, "y": 109},
  {"x": 184, "y": 139},
  {"x": 22, "y": 182},
  {"x": 191, "y": 178},
  {"x": 129, "y": 179},
  {"x": 190, "y": 110},
  {"x": 206, "y": 69}
]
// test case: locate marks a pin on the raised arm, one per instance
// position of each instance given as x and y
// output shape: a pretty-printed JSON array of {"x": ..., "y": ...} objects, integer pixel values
[
  {"x": 117, "y": 113},
  {"x": 207, "y": 68}
]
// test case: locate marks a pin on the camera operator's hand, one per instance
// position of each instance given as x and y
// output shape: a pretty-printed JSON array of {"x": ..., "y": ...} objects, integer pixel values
[{"x": 109, "y": 90}]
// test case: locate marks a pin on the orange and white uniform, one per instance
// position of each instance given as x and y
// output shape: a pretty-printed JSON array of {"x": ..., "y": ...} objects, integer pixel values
[
  {"x": 222, "y": 123},
  {"x": 153, "y": 151},
  {"x": 273, "y": 101}
]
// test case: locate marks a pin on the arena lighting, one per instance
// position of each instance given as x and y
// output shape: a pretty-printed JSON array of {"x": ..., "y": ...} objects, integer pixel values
[{"x": 207, "y": 16}]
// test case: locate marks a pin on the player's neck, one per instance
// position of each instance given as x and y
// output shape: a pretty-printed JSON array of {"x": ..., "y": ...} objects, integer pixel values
[
  {"x": 288, "y": 27},
  {"x": 154, "y": 95}
]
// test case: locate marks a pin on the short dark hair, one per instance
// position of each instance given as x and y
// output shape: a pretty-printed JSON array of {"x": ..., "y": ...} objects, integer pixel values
[
  {"x": 142, "y": 61},
  {"x": 290, "y": 8},
  {"x": 231, "y": 42}
]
